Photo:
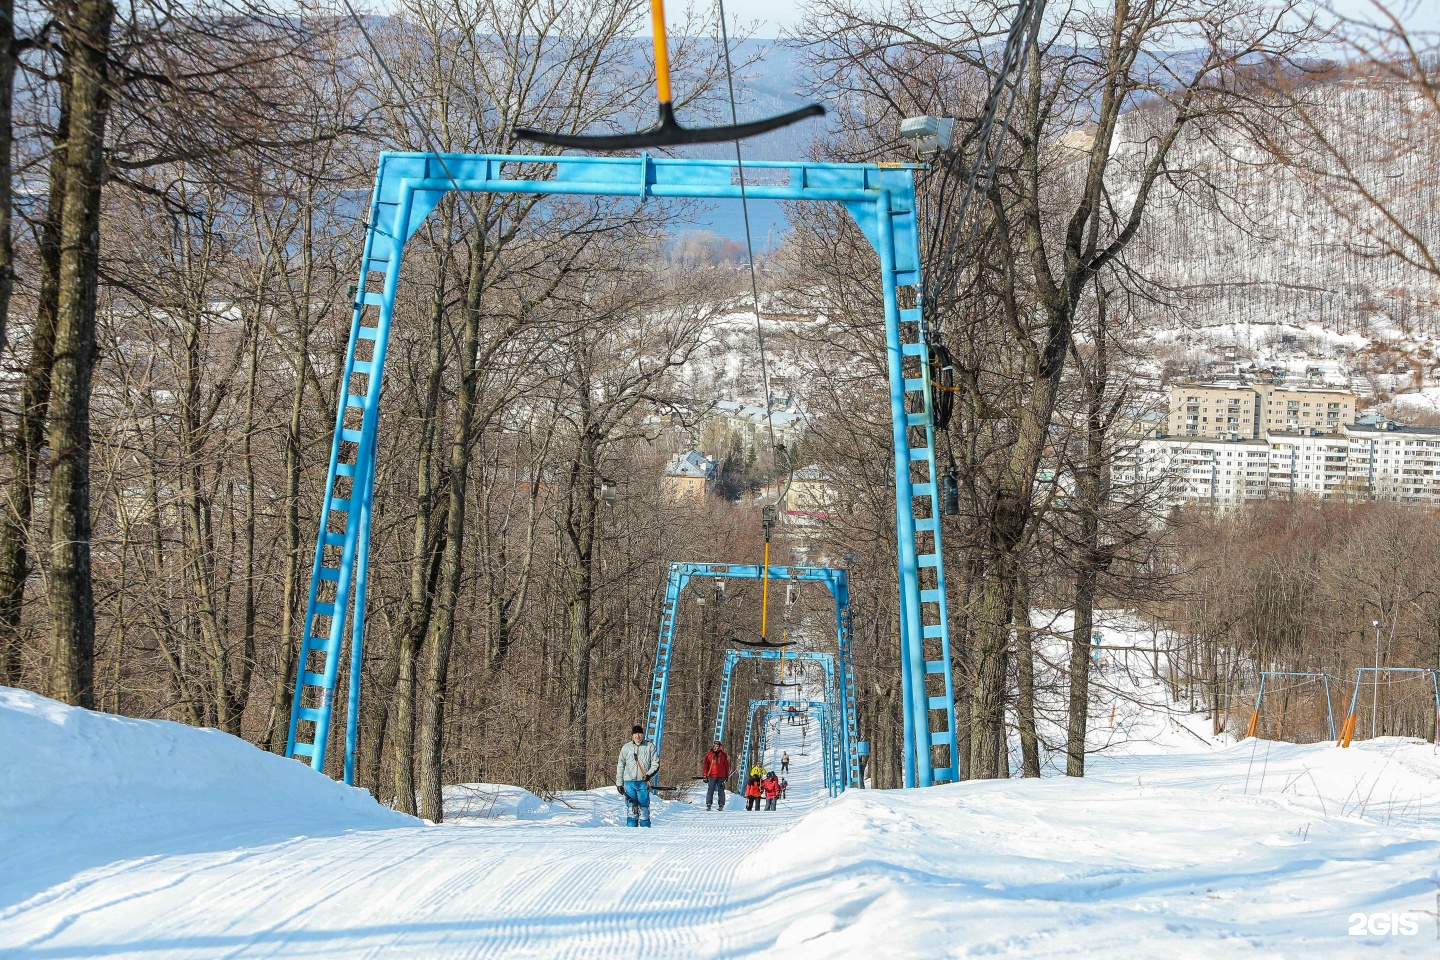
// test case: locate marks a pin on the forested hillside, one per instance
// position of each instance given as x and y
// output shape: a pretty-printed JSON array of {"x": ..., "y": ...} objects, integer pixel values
[{"x": 1303, "y": 222}]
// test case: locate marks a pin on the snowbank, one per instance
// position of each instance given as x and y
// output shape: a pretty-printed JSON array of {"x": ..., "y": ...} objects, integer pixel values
[
  {"x": 1258, "y": 848},
  {"x": 80, "y": 789},
  {"x": 134, "y": 839}
]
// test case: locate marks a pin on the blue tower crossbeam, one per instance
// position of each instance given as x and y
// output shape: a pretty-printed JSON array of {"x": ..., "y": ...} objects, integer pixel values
[
  {"x": 846, "y": 748},
  {"x": 408, "y": 188},
  {"x": 733, "y": 657}
]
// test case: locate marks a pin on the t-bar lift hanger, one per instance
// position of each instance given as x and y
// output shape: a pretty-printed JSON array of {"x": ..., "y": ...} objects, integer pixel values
[{"x": 667, "y": 132}]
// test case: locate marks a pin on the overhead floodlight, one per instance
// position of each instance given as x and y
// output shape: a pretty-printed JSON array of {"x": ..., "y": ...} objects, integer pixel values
[{"x": 927, "y": 135}]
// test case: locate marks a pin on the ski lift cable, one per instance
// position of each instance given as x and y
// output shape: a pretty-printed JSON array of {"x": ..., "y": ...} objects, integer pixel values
[
  {"x": 985, "y": 158},
  {"x": 759, "y": 326},
  {"x": 1030, "y": 13},
  {"x": 750, "y": 253},
  {"x": 1027, "y": 24}
]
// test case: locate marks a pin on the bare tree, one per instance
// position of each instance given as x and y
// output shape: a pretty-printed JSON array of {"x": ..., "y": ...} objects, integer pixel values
[{"x": 1055, "y": 223}]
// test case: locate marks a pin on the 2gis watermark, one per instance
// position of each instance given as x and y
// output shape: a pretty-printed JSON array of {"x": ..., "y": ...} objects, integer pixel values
[{"x": 1398, "y": 924}]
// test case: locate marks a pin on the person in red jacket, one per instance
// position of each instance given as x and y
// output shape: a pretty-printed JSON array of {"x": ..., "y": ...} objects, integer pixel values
[
  {"x": 770, "y": 787},
  {"x": 715, "y": 769},
  {"x": 752, "y": 792}
]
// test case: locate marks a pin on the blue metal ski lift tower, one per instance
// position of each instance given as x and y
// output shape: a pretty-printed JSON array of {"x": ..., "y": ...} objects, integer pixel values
[
  {"x": 829, "y": 737},
  {"x": 408, "y": 188},
  {"x": 837, "y": 581},
  {"x": 848, "y": 749}
]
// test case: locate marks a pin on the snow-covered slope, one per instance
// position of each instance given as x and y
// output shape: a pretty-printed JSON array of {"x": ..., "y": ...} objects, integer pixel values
[
  {"x": 80, "y": 790},
  {"x": 192, "y": 844},
  {"x": 1256, "y": 849}
]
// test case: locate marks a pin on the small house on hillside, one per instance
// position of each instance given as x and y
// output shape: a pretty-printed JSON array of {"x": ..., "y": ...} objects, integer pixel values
[{"x": 688, "y": 476}]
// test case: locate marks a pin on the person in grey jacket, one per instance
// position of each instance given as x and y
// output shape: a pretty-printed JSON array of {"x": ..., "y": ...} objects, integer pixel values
[{"x": 638, "y": 763}]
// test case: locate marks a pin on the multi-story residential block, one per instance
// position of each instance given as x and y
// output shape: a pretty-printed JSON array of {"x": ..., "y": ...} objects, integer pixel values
[
  {"x": 1391, "y": 461},
  {"x": 1302, "y": 408},
  {"x": 1244, "y": 410},
  {"x": 748, "y": 426},
  {"x": 1308, "y": 461},
  {"x": 1220, "y": 471},
  {"x": 1218, "y": 410},
  {"x": 1373, "y": 459}
]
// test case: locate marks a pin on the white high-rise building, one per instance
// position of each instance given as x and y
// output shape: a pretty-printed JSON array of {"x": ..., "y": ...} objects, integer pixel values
[
  {"x": 1370, "y": 460},
  {"x": 1304, "y": 461},
  {"x": 1195, "y": 468},
  {"x": 1394, "y": 462}
]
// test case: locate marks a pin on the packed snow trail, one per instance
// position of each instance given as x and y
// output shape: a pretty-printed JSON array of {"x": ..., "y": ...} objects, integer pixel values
[
  {"x": 471, "y": 888},
  {"x": 141, "y": 839}
]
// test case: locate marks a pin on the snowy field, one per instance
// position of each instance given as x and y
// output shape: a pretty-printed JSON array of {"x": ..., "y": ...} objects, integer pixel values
[{"x": 143, "y": 839}]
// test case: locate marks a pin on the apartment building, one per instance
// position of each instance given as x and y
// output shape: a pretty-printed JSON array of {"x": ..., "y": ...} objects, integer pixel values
[
  {"x": 1302, "y": 408},
  {"x": 1246, "y": 410},
  {"x": 1394, "y": 462},
  {"x": 1220, "y": 410},
  {"x": 1373, "y": 459},
  {"x": 1308, "y": 461},
  {"x": 1220, "y": 471}
]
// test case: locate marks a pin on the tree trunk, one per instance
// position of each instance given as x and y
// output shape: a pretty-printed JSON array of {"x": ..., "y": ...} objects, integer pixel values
[
  {"x": 987, "y": 704},
  {"x": 442, "y": 625},
  {"x": 1025, "y": 683},
  {"x": 1080, "y": 651},
  {"x": 581, "y": 515},
  {"x": 9, "y": 59},
  {"x": 425, "y": 557},
  {"x": 1092, "y": 491},
  {"x": 86, "y": 33},
  {"x": 1009, "y": 522},
  {"x": 289, "y": 642},
  {"x": 34, "y": 401},
  {"x": 238, "y": 695},
  {"x": 197, "y": 544},
  {"x": 578, "y": 714}
]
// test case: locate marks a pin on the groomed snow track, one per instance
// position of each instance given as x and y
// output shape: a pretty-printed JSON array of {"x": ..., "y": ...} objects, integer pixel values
[{"x": 471, "y": 888}]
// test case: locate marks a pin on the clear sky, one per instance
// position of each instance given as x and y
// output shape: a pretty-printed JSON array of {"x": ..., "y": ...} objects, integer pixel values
[{"x": 769, "y": 16}]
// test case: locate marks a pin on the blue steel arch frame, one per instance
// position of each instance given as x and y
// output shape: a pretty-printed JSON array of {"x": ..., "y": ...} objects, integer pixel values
[
  {"x": 733, "y": 657},
  {"x": 836, "y": 580},
  {"x": 829, "y": 737},
  {"x": 847, "y": 747},
  {"x": 408, "y": 187}
]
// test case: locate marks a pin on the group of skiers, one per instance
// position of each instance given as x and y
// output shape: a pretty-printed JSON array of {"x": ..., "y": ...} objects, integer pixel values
[
  {"x": 759, "y": 785},
  {"x": 639, "y": 762},
  {"x": 762, "y": 785}
]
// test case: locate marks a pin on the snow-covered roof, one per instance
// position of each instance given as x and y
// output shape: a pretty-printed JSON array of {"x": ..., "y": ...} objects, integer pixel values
[
  {"x": 755, "y": 413},
  {"x": 692, "y": 464}
]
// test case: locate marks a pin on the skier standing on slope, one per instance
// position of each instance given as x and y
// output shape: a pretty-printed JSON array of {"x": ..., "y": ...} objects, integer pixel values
[
  {"x": 770, "y": 787},
  {"x": 752, "y": 792},
  {"x": 637, "y": 764},
  {"x": 784, "y": 762},
  {"x": 715, "y": 768}
]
